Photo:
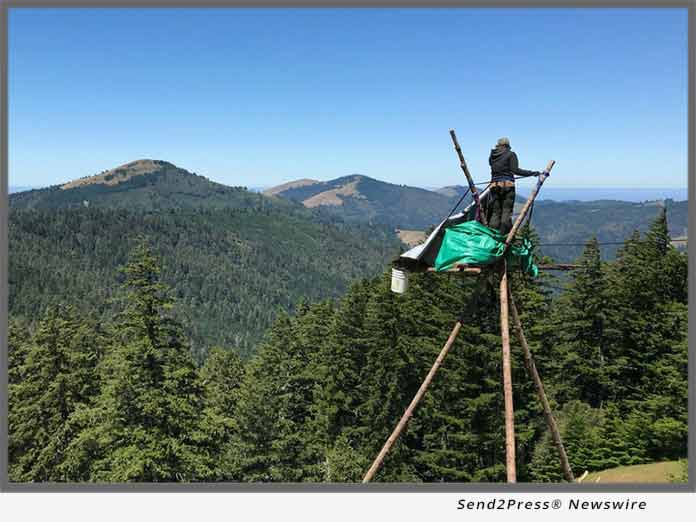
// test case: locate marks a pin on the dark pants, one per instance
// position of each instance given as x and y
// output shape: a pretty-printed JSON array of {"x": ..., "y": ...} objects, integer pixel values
[{"x": 501, "y": 203}]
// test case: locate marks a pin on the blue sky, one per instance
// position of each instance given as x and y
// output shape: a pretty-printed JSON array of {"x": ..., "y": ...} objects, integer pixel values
[{"x": 257, "y": 97}]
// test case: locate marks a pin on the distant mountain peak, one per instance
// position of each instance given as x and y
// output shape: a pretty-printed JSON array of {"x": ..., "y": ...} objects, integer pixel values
[
  {"x": 290, "y": 185},
  {"x": 144, "y": 184},
  {"x": 336, "y": 196},
  {"x": 121, "y": 173}
]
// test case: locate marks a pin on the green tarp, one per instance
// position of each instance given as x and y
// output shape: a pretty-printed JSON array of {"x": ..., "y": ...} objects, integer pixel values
[{"x": 472, "y": 243}]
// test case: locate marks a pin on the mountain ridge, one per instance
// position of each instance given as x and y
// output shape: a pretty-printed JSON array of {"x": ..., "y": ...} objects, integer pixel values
[
  {"x": 120, "y": 174},
  {"x": 144, "y": 184},
  {"x": 357, "y": 197}
]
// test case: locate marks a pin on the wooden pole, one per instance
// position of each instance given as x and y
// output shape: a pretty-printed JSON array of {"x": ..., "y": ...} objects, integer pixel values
[
  {"x": 469, "y": 179},
  {"x": 528, "y": 203},
  {"x": 411, "y": 407},
  {"x": 534, "y": 374},
  {"x": 510, "y": 466}
]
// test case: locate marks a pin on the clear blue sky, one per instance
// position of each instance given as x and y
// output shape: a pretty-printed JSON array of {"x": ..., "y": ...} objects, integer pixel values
[{"x": 257, "y": 97}]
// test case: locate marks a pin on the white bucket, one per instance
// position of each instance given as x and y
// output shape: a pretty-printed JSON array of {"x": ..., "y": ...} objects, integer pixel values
[{"x": 399, "y": 282}]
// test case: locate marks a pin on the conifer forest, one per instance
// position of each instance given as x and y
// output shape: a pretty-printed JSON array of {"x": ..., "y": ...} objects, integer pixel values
[{"x": 124, "y": 374}]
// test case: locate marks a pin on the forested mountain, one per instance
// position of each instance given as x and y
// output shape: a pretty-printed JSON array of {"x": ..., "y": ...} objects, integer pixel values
[
  {"x": 143, "y": 185},
  {"x": 167, "y": 328},
  {"x": 121, "y": 400},
  {"x": 363, "y": 199},
  {"x": 572, "y": 223},
  {"x": 231, "y": 270},
  {"x": 154, "y": 185},
  {"x": 233, "y": 258}
]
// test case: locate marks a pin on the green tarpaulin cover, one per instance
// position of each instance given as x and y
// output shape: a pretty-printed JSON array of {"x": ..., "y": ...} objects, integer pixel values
[{"x": 472, "y": 243}]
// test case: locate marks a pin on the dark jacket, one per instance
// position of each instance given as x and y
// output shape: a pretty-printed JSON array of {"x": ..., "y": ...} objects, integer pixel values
[{"x": 504, "y": 167}]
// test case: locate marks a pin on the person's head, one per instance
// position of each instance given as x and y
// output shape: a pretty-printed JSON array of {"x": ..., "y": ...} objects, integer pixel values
[{"x": 503, "y": 142}]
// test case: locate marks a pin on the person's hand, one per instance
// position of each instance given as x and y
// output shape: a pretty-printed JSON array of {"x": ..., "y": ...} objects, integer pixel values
[{"x": 544, "y": 173}]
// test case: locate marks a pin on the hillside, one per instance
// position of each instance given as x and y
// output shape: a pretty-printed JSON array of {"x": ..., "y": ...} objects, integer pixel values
[
  {"x": 363, "y": 199},
  {"x": 452, "y": 191},
  {"x": 231, "y": 270},
  {"x": 413, "y": 210},
  {"x": 572, "y": 222},
  {"x": 317, "y": 400},
  {"x": 234, "y": 258},
  {"x": 145, "y": 185}
]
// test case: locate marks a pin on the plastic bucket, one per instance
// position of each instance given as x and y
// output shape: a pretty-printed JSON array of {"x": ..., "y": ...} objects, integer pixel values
[{"x": 399, "y": 282}]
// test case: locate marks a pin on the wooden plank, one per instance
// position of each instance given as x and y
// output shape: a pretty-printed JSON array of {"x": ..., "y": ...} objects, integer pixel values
[
  {"x": 534, "y": 374},
  {"x": 411, "y": 407},
  {"x": 510, "y": 465}
]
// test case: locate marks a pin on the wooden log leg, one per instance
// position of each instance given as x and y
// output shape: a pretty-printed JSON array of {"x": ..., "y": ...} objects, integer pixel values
[
  {"x": 472, "y": 186},
  {"x": 534, "y": 374},
  {"x": 411, "y": 407},
  {"x": 507, "y": 379},
  {"x": 525, "y": 208}
]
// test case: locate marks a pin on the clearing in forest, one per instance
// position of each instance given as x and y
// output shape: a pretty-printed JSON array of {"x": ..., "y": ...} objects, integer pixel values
[{"x": 653, "y": 473}]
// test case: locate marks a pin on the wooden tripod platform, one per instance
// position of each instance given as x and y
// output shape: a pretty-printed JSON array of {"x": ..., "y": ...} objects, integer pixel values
[{"x": 507, "y": 305}]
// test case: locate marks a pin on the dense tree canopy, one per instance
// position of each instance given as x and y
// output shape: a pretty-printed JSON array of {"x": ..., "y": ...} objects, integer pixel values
[
  {"x": 121, "y": 399},
  {"x": 231, "y": 270}
]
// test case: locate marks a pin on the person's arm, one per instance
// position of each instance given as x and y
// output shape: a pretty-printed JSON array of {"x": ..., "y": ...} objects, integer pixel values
[{"x": 517, "y": 171}]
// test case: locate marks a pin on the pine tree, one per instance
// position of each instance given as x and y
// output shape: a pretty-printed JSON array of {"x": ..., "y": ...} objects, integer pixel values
[
  {"x": 576, "y": 334},
  {"x": 53, "y": 376},
  {"x": 252, "y": 445},
  {"x": 341, "y": 356},
  {"x": 276, "y": 439},
  {"x": 581, "y": 428},
  {"x": 221, "y": 376},
  {"x": 387, "y": 382},
  {"x": 642, "y": 310},
  {"x": 142, "y": 424},
  {"x": 461, "y": 415}
]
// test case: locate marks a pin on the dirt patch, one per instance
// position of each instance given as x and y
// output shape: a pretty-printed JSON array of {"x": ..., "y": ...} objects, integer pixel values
[
  {"x": 411, "y": 237},
  {"x": 290, "y": 185},
  {"x": 117, "y": 175},
  {"x": 331, "y": 197}
]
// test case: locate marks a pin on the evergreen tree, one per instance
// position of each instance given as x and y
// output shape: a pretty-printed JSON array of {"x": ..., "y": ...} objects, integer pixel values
[
  {"x": 641, "y": 310},
  {"x": 334, "y": 410},
  {"x": 276, "y": 438},
  {"x": 52, "y": 376},
  {"x": 581, "y": 428},
  {"x": 141, "y": 426},
  {"x": 221, "y": 376},
  {"x": 330, "y": 381},
  {"x": 460, "y": 419},
  {"x": 387, "y": 382},
  {"x": 576, "y": 334}
]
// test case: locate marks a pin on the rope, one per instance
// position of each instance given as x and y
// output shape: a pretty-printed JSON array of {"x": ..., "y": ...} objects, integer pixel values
[
  {"x": 481, "y": 183},
  {"x": 462, "y": 199},
  {"x": 458, "y": 203},
  {"x": 582, "y": 244}
]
